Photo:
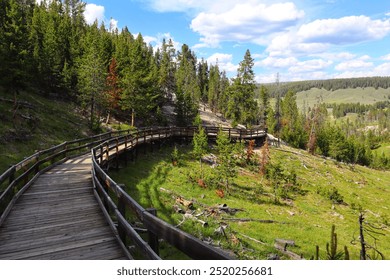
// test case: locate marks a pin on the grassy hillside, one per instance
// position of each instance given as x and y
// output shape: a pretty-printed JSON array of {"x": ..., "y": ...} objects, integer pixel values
[
  {"x": 367, "y": 95},
  {"x": 37, "y": 124},
  {"x": 305, "y": 215}
]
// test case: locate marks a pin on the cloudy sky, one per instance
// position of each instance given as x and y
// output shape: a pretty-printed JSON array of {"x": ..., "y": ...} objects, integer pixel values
[{"x": 299, "y": 39}]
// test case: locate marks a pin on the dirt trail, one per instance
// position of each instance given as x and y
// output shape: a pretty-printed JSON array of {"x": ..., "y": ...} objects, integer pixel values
[{"x": 212, "y": 119}]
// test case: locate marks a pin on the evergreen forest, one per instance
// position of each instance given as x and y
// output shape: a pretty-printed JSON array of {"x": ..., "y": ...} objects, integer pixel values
[{"x": 111, "y": 73}]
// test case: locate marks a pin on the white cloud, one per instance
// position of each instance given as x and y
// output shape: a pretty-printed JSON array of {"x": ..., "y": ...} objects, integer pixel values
[
  {"x": 310, "y": 65},
  {"x": 365, "y": 57},
  {"x": 113, "y": 24},
  {"x": 94, "y": 12},
  {"x": 156, "y": 41},
  {"x": 346, "y": 30},
  {"x": 245, "y": 22},
  {"x": 386, "y": 57},
  {"x": 382, "y": 70},
  {"x": 354, "y": 74},
  {"x": 194, "y": 6},
  {"x": 277, "y": 62},
  {"x": 225, "y": 62},
  {"x": 353, "y": 64}
]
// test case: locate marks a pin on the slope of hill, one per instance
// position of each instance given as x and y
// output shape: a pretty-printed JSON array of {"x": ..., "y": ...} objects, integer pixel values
[
  {"x": 367, "y": 95},
  {"x": 323, "y": 193},
  {"x": 35, "y": 123}
]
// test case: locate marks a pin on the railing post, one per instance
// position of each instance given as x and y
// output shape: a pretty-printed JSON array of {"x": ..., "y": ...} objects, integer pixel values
[
  {"x": 117, "y": 153},
  {"x": 122, "y": 210},
  {"x": 153, "y": 239},
  {"x": 101, "y": 154},
  {"x": 126, "y": 145},
  {"x": 107, "y": 151},
  {"x": 144, "y": 141},
  {"x": 12, "y": 176}
]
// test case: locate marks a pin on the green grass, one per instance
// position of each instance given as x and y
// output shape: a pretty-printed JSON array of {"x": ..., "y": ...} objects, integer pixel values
[
  {"x": 54, "y": 121},
  {"x": 306, "y": 218},
  {"x": 351, "y": 95},
  {"x": 383, "y": 149}
]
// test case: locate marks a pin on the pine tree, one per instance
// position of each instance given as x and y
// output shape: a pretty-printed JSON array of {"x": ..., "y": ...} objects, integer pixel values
[
  {"x": 14, "y": 51},
  {"x": 264, "y": 106},
  {"x": 113, "y": 90},
  {"x": 226, "y": 163},
  {"x": 139, "y": 85},
  {"x": 214, "y": 88},
  {"x": 92, "y": 78},
  {"x": 200, "y": 144},
  {"x": 241, "y": 106},
  {"x": 292, "y": 130},
  {"x": 167, "y": 69},
  {"x": 203, "y": 79},
  {"x": 187, "y": 87}
]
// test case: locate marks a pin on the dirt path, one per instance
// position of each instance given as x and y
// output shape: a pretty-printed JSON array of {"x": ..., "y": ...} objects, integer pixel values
[{"x": 210, "y": 118}]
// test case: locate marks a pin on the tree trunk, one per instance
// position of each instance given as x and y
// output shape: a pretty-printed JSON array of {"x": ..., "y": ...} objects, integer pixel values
[
  {"x": 132, "y": 117},
  {"x": 108, "y": 117},
  {"x": 363, "y": 250},
  {"x": 92, "y": 109}
]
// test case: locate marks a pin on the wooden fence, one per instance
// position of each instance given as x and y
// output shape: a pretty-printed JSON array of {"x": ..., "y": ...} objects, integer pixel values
[
  {"x": 20, "y": 176},
  {"x": 117, "y": 202}
]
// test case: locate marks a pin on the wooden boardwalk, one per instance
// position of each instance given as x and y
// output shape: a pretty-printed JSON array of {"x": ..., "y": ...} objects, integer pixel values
[{"x": 58, "y": 217}]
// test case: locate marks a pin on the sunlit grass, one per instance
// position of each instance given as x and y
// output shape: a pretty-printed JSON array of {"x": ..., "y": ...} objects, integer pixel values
[{"x": 306, "y": 219}]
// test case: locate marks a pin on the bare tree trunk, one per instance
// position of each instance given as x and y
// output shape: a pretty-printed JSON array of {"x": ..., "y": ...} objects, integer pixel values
[
  {"x": 363, "y": 250},
  {"x": 108, "y": 117},
  {"x": 132, "y": 117}
]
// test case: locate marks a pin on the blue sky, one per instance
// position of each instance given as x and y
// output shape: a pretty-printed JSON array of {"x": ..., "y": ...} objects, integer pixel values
[{"x": 299, "y": 39}]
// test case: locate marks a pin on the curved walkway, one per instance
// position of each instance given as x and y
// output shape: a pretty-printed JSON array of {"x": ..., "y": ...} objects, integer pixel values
[{"x": 58, "y": 217}]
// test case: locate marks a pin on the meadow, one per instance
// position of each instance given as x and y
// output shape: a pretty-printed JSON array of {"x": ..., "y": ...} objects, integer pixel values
[{"x": 324, "y": 193}]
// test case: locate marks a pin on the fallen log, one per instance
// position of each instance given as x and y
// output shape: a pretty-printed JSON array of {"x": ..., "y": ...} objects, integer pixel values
[
  {"x": 288, "y": 253},
  {"x": 18, "y": 103},
  {"x": 192, "y": 217},
  {"x": 178, "y": 209},
  {"x": 285, "y": 242},
  {"x": 184, "y": 202},
  {"x": 253, "y": 239},
  {"x": 250, "y": 220}
]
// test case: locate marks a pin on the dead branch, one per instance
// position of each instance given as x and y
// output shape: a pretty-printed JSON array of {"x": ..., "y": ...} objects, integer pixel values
[
  {"x": 251, "y": 220},
  {"x": 253, "y": 239},
  {"x": 184, "y": 202},
  {"x": 192, "y": 217},
  {"x": 18, "y": 103}
]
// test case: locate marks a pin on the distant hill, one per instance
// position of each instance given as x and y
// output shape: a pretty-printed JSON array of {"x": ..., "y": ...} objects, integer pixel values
[
  {"x": 330, "y": 85},
  {"x": 368, "y": 95}
]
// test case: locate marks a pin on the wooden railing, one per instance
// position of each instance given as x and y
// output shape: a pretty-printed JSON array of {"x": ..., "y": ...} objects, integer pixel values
[
  {"x": 20, "y": 176},
  {"x": 117, "y": 203}
]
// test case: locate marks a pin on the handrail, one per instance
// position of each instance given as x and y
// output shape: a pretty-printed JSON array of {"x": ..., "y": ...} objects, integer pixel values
[
  {"x": 108, "y": 191},
  {"x": 16, "y": 179}
]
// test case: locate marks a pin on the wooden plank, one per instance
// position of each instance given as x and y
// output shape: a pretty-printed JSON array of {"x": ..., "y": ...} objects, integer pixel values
[
  {"x": 59, "y": 218},
  {"x": 54, "y": 249}
]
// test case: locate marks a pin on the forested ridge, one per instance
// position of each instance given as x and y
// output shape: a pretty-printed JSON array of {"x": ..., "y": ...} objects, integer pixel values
[
  {"x": 330, "y": 85},
  {"x": 49, "y": 47}
]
